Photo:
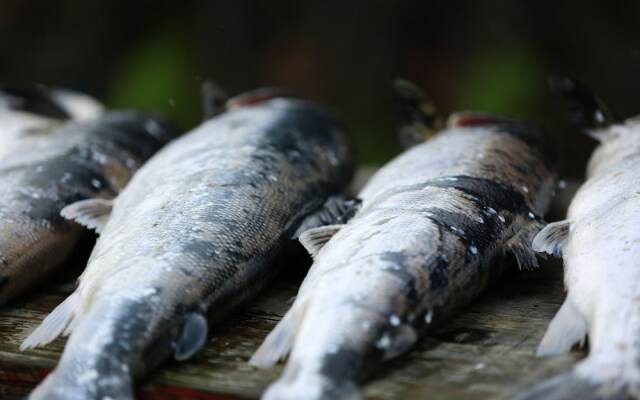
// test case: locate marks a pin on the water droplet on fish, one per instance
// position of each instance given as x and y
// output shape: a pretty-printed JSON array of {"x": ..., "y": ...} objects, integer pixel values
[
  {"x": 531, "y": 215},
  {"x": 525, "y": 189},
  {"x": 428, "y": 316},
  {"x": 562, "y": 184},
  {"x": 480, "y": 219},
  {"x": 479, "y": 366},
  {"x": 473, "y": 249},
  {"x": 96, "y": 183},
  {"x": 153, "y": 128},
  {"x": 273, "y": 178},
  {"x": 394, "y": 320},
  {"x": 492, "y": 210},
  {"x": 384, "y": 342},
  {"x": 501, "y": 218}
]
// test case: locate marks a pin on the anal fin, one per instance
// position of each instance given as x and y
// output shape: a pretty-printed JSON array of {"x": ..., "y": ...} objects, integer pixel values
[
  {"x": 552, "y": 238},
  {"x": 566, "y": 329},
  {"x": 279, "y": 342},
  {"x": 90, "y": 213}
]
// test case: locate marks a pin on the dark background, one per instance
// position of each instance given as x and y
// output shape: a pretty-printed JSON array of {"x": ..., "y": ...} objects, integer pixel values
[{"x": 483, "y": 55}]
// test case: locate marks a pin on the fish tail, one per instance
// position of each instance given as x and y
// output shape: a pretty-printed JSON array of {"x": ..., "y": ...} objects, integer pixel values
[
  {"x": 295, "y": 386},
  {"x": 583, "y": 108},
  {"x": 420, "y": 119}
]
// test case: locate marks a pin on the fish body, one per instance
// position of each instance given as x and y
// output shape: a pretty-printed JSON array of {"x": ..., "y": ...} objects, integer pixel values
[
  {"x": 47, "y": 170},
  {"x": 422, "y": 245},
  {"x": 194, "y": 233},
  {"x": 29, "y": 110},
  {"x": 599, "y": 244}
]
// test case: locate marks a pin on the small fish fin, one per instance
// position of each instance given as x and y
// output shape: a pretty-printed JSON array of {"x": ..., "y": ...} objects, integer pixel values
[
  {"x": 279, "y": 341},
  {"x": 256, "y": 96},
  {"x": 336, "y": 210},
  {"x": 55, "y": 323},
  {"x": 567, "y": 328},
  {"x": 90, "y": 213},
  {"x": 420, "y": 119},
  {"x": 314, "y": 239},
  {"x": 213, "y": 99},
  {"x": 552, "y": 238},
  {"x": 401, "y": 340},
  {"x": 192, "y": 338},
  {"x": 583, "y": 109},
  {"x": 520, "y": 245}
]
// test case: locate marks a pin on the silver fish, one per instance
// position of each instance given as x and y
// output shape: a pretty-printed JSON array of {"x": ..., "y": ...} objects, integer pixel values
[
  {"x": 423, "y": 245},
  {"x": 46, "y": 169},
  {"x": 599, "y": 243},
  {"x": 26, "y": 111},
  {"x": 194, "y": 233}
]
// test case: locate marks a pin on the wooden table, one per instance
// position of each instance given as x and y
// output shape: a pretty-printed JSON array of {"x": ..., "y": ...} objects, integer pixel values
[{"x": 485, "y": 353}]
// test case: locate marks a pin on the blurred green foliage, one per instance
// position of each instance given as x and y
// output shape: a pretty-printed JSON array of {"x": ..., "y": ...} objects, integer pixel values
[{"x": 160, "y": 74}]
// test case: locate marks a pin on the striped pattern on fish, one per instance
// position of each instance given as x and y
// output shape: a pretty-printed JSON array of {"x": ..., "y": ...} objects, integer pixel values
[
  {"x": 194, "y": 233},
  {"x": 422, "y": 245}
]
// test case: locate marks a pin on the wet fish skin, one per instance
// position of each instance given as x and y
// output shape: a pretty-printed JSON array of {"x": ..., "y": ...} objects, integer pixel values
[
  {"x": 195, "y": 233},
  {"x": 48, "y": 170},
  {"x": 598, "y": 242},
  {"x": 422, "y": 246}
]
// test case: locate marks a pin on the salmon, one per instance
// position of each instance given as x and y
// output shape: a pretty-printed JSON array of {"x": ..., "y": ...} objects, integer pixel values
[
  {"x": 51, "y": 161},
  {"x": 423, "y": 245},
  {"x": 599, "y": 245},
  {"x": 191, "y": 238}
]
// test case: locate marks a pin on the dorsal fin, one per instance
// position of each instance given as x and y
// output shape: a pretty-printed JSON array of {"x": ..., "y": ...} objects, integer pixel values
[
  {"x": 256, "y": 96},
  {"x": 420, "y": 119},
  {"x": 583, "y": 108},
  {"x": 213, "y": 99}
]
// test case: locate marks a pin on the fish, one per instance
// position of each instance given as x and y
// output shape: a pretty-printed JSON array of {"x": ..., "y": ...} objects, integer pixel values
[
  {"x": 192, "y": 237},
  {"x": 423, "y": 244},
  {"x": 27, "y": 110},
  {"x": 48, "y": 168},
  {"x": 598, "y": 243}
]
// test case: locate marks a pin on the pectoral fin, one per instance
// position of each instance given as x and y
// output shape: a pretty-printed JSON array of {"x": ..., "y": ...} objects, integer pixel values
[
  {"x": 520, "y": 245},
  {"x": 192, "y": 338},
  {"x": 91, "y": 213},
  {"x": 314, "y": 239},
  {"x": 552, "y": 238},
  {"x": 336, "y": 210}
]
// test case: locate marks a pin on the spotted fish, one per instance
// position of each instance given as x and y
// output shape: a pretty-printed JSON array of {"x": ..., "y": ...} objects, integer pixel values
[
  {"x": 599, "y": 243},
  {"x": 422, "y": 245},
  {"x": 53, "y": 165},
  {"x": 194, "y": 233}
]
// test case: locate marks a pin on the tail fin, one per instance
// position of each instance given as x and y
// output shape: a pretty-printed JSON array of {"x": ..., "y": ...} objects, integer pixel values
[
  {"x": 583, "y": 109},
  {"x": 571, "y": 386},
  {"x": 420, "y": 119}
]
